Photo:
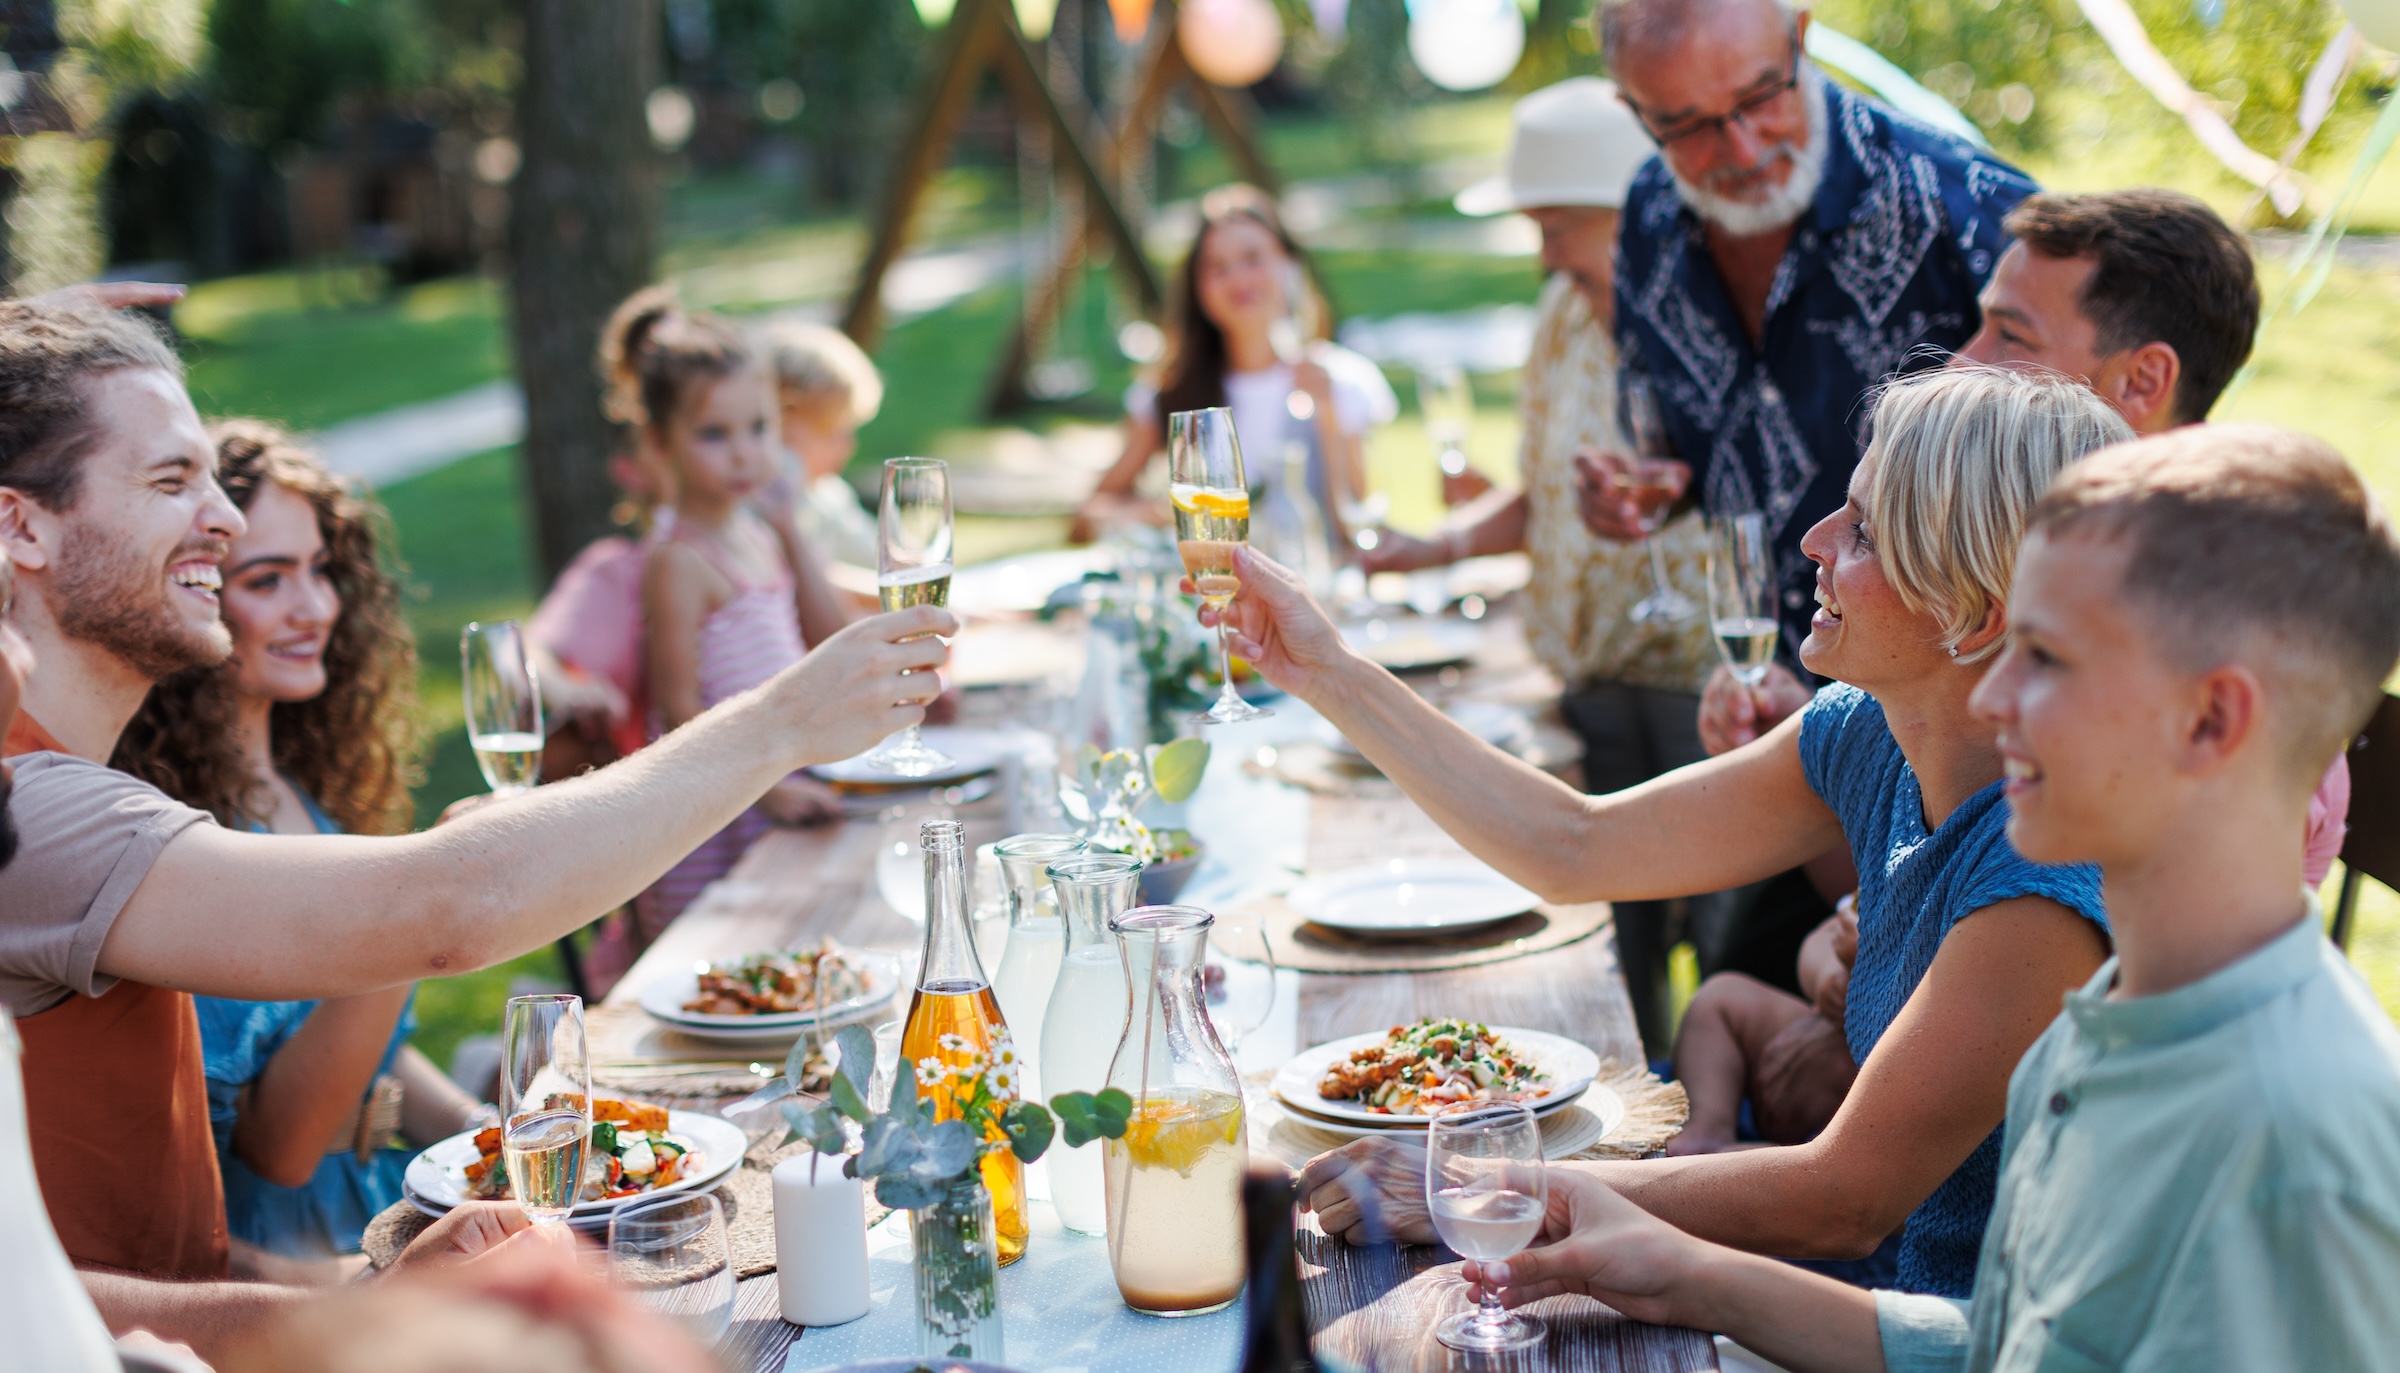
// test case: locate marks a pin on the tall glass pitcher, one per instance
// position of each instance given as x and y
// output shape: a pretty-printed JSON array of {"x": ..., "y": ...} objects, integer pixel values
[
  {"x": 954, "y": 1014},
  {"x": 1037, "y": 939},
  {"x": 1175, "y": 1180},
  {"x": 1085, "y": 1019}
]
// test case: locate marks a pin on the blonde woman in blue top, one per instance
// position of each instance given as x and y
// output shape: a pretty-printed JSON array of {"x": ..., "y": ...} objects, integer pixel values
[
  {"x": 306, "y": 730},
  {"x": 1964, "y": 947}
]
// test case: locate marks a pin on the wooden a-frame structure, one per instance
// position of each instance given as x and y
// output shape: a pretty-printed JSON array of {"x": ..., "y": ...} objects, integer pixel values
[{"x": 983, "y": 34}]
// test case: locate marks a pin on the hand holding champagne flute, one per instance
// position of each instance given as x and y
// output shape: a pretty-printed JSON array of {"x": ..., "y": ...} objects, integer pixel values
[
  {"x": 913, "y": 554},
  {"x": 503, "y": 701},
  {"x": 1212, "y": 519},
  {"x": 545, "y": 1103}
]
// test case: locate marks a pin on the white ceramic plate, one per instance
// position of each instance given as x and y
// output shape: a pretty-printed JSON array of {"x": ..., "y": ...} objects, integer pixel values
[
  {"x": 436, "y": 1179},
  {"x": 973, "y": 752},
  {"x": 1597, "y": 1099},
  {"x": 664, "y": 1000},
  {"x": 1410, "y": 896},
  {"x": 1412, "y": 643},
  {"x": 1571, "y": 1066},
  {"x": 1494, "y": 724}
]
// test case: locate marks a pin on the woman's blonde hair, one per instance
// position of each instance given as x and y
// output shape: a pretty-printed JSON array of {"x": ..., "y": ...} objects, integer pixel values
[
  {"x": 819, "y": 362},
  {"x": 1959, "y": 458}
]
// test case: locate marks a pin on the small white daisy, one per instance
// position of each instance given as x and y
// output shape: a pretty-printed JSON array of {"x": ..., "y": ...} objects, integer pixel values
[
  {"x": 931, "y": 1072},
  {"x": 1003, "y": 1083},
  {"x": 955, "y": 1044}
]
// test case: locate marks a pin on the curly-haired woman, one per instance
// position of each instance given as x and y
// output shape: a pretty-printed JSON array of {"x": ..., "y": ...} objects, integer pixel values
[{"x": 309, "y": 728}]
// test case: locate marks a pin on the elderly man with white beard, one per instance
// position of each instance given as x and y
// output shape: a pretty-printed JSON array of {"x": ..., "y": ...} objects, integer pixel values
[{"x": 1792, "y": 245}]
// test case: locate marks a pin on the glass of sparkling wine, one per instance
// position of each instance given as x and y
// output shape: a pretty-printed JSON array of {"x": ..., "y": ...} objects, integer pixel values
[
  {"x": 1649, "y": 477},
  {"x": 545, "y": 1103},
  {"x": 674, "y": 1254},
  {"x": 1486, "y": 1189},
  {"x": 913, "y": 557},
  {"x": 1448, "y": 404},
  {"x": 1741, "y": 596},
  {"x": 1212, "y": 519},
  {"x": 504, "y": 706}
]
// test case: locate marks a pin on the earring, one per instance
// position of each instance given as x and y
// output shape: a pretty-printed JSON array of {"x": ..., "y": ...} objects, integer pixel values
[{"x": 1953, "y": 650}]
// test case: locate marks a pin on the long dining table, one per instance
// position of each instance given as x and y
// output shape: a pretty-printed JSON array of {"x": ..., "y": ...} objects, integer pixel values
[{"x": 1367, "y": 1307}]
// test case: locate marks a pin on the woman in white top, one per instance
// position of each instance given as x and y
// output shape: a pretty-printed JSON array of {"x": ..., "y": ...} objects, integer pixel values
[{"x": 1250, "y": 335}]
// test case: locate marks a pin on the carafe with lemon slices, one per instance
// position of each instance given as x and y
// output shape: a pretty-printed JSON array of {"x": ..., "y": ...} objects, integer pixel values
[{"x": 1174, "y": 1182}]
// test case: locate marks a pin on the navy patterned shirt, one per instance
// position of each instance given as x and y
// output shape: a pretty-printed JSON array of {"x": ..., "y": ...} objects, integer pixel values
[{"x": 1880, "y": 278}]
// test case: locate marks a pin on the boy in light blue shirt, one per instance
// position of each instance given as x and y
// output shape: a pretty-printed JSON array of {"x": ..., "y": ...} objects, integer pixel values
[{"x": 2202, "y": 1157}]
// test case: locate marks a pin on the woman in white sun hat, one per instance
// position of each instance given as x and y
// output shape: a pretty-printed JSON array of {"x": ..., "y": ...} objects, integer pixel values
[{"x": 1632, "y": 690}]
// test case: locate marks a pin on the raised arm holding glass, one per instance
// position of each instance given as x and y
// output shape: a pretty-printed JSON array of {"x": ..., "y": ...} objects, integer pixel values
[{"x": 1966, "y": 947}]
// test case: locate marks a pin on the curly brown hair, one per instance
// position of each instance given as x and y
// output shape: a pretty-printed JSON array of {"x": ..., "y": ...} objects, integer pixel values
[{"x": 353, "y": 748}]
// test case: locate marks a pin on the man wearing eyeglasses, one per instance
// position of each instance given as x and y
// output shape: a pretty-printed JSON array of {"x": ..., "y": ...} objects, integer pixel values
[{"x": 1792, "y": 245}]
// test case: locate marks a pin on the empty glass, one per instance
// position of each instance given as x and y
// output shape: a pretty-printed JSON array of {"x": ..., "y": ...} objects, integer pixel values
[
  {"x": 1649, "y": 476},
  {"x": 503, "y": 702},
  {"x": 1486, "y": 1188},
  {"x": 673, "y": 1252},
  {"x": 1238, "y": 993},
  {"x": 1448, "y": 404},
  {"x": 545, "y": 1103}
]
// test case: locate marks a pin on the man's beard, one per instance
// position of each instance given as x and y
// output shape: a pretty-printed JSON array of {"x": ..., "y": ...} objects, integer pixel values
[
  {"x": 1784, "y": 203},
  {"x": 111, "y": 598}
]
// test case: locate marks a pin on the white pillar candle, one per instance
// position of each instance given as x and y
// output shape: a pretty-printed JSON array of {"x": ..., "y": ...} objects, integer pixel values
[{"x": 820, "y": 1241}]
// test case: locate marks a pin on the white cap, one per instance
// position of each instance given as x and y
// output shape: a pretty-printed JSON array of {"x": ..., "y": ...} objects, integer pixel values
[{"x": 1575, "y": 143}]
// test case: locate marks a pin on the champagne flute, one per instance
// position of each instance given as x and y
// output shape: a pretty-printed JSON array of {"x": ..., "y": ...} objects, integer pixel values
[
  {"x": 673, "y": 1252},
  {"x": 545, "y": 1103},
  {"x": 1487, "y": 1191},
  {"x": 1741, "y": 598},
  {"x": 1212, "y": 519},
  {"x": 504, "y": 705},
  {"x": 1651, "y": 478},
  {"x": 913, "y": 568},
  {"x": 1449, "y": 408}
]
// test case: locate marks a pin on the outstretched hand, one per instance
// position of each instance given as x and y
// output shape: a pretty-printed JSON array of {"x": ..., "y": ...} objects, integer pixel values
[
  {"x": 1595, "y": 1243},
  {"x": 1277, "y": 626},
  {"x": 873, "y": 678},
  {"x": 1732, "y": 714}
]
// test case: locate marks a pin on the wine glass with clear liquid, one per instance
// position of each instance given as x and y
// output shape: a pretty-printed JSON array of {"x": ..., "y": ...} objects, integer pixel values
[
  {"x": 913, "y": 568},
  {"x": 674, "y": 1254},
  {"x": 1212, "y": 520},
  {"x": 545, "y": 1103},
  {"x": 1741, "y": 597},
  {"x": 503, "y": 702},
  {"x": 1648, "y": 476},
  {"x": 1486, "y": 1188}
]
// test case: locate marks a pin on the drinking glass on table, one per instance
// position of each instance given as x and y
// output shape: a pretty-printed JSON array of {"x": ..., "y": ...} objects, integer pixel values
[
  {"x": 1487, "y": 1191},
  {"x": 912, "y": 569},
  {"x": 1238, "y": 991},
  {"x": 1649, "y": 477},
  {"x": 503, "y": 702},
  {"x": 545, "y": 1103},
  {"x": 1212, "y": 519},
  {"x": 674, "y": 1254},
  {"x": 1741, "y": 596}
]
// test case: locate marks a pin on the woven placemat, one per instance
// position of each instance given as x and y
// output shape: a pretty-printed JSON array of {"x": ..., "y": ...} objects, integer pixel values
[
  {"x": 1308, "y": 948},
  {"x": 747, "y": 1194}
]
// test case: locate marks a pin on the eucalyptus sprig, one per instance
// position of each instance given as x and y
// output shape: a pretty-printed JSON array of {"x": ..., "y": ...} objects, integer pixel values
[{"x": 911, "y": 1157}]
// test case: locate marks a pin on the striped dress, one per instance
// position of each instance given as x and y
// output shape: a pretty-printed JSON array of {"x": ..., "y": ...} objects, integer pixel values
[{"x": 745, "y": 641}]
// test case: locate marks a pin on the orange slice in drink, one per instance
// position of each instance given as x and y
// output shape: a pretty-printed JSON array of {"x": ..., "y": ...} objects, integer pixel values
[
  {"x": 1200, "y": 500},
  {"x": 1165, "y": 1133}
]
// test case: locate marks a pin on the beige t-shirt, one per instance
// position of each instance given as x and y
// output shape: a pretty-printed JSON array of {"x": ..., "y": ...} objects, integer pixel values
[{"x": 87, "y": 836}]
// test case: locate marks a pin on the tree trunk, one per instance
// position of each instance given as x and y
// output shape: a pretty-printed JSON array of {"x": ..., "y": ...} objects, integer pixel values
[{"x": 583, "y": 231}]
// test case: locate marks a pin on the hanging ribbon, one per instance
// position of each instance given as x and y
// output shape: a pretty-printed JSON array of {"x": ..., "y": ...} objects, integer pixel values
[
  {"x": 1896, "y": 88},
  {"x": 2122, "y": 30}
]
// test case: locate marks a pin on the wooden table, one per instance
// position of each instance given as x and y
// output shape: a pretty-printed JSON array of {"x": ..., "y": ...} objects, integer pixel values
[{"x": 800, "y": 884}]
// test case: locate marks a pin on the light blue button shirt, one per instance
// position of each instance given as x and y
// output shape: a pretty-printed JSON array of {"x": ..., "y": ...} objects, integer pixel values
[{"x": 2206, "y": 1179}]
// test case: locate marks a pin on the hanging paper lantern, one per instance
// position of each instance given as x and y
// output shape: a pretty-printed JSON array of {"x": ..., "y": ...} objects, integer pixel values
[
  {"x": 935, "y": 13},
  {"x": 1133, "y": 19},
  {"x": 1034, "y": 17},
  {"x": 1230, "y": 42},
  {"x": 1333, "y": 18},
  {"x": 2378, "y": 21},
  {"x": 1467, "y": 45}
]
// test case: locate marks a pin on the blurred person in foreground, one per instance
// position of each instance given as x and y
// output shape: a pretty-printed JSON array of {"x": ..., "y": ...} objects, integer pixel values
[
  {"x": 123, "y": 903},
  {"x": 1632, "y": 689},
  {"x": 309, "y": 728},
  {"x": 2198, "y": 1168},
  {"x": 1965, "y": 946},
  {"x": 1252, "y": 334},
  {"x": 2149, "y": 298}
]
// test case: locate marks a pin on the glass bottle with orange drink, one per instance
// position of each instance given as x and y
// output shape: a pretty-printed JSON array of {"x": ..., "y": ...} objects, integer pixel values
[{"x": 954, "y": 1015}]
